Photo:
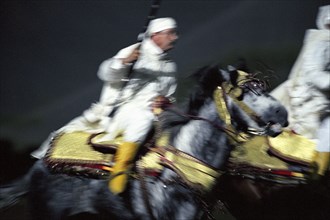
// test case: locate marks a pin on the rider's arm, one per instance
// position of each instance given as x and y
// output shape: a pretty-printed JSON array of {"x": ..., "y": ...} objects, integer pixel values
[
  {"x": 317, "y": 64},
  {"x": 117, "y": 67}
]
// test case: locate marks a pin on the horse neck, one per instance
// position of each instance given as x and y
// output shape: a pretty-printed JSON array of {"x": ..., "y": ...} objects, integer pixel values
[{"x": 202, "y": 138}]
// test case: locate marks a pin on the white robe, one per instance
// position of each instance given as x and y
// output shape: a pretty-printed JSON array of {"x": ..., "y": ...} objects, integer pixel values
[
  {"x": 153, "y": 75},
  {"x": 306, "y": 91}
]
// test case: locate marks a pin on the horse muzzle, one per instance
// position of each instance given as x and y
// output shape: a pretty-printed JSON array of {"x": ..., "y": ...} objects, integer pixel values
[{"x": 274, "y": 130}]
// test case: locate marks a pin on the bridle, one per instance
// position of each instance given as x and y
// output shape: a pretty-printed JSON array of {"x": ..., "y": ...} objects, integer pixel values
[
  {"x": 235, "y": 91},
  {"x": 227, "y": 90},
  {"x": 166, "y": 154}
]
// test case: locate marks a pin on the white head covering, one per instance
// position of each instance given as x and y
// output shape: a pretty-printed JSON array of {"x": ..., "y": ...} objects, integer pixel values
[
  {"x": 323, "y": 17},
  {"x": 160, "y": 24}
]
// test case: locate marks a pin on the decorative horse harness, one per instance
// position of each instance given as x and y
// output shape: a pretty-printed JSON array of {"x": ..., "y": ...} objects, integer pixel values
[
  {"x": 78, "y": 153},
  {"x": 192, "y": 171},
  {"x": 75, "y": 153}
]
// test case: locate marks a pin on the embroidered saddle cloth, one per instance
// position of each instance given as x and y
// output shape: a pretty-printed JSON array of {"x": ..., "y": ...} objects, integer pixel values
[
  {"x": 73, "y": 153},
  {"x": 287, "y": 158}
]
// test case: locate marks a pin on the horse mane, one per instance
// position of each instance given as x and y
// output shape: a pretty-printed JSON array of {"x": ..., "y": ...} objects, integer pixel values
[{"x": 206, "y": 79}]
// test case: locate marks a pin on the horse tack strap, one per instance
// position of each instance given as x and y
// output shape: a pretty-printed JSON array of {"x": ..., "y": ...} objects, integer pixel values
[
  {"x": 234, "y": 93},
  {"x": 192, "y": 171},
  {"x": 221, "y": 104}
]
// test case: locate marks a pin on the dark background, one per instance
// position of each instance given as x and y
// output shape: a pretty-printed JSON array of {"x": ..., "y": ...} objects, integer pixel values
[{"x": 50, "y": 50}]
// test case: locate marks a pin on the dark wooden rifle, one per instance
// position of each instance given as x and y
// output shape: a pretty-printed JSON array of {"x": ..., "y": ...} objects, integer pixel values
[{"x": 155, "y": 4}]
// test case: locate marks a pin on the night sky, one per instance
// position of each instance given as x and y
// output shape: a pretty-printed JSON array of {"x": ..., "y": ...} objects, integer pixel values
[{"x": 51, "y": 50}]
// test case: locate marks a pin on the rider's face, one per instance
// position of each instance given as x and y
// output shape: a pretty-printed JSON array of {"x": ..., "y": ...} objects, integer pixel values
[{"x": 165, "y": 39}]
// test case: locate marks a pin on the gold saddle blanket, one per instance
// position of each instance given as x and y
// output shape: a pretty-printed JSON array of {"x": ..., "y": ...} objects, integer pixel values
[
  {"x": 80, "y": 153},
  {"x": 286, "y": 156},
  {"x": 74, "y": 153}
]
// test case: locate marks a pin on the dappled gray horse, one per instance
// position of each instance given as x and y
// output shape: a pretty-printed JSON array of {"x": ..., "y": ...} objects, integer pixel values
[{"x": 226, "y": 107}]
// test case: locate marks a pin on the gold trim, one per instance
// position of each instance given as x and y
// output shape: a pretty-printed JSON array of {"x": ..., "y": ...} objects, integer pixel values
[
  {"x": 74, "y": 148},
  {"x": 193, "y": 171},
  {"x": 293, "y": 147}
]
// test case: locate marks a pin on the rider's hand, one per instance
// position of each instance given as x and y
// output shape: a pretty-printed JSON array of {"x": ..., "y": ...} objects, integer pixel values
[
  {"x": 132, "y": 57},
  {"x": 159, "y": 103}
]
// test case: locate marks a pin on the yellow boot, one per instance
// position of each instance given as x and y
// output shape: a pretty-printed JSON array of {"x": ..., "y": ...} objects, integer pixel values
[
  {"x": 123, "y": 162},
  {"x": 322, "y": 159}
]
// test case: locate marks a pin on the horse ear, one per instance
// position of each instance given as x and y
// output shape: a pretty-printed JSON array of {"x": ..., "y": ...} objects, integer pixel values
[
  {"x": 233, "y": 75},
  {"x": 207, "y": 76},
  {"x": 242, "y": 65},
  {"x": 212, "y": 78},
  {"x": 231, "y": 68}
]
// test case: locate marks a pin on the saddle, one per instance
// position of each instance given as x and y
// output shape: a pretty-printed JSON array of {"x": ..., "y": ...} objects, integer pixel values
[
  {"x": 287, "y": 159},
  {"x": 80, "y": 154},
  {"x": 73, "y": 153}
]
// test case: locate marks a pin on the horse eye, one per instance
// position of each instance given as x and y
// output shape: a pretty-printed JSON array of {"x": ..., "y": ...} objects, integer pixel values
[
  {"x": 258, "y": 85},
  {"x": 253, "y": 85}
]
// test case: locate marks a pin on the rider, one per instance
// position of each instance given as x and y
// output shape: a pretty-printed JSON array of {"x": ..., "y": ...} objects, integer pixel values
[
  {"x": 152, "y": 76},
  {"x": 306, "y": 92}
]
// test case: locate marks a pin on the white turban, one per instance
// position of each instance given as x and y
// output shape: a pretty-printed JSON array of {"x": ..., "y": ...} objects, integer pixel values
[
  {"x": 160, "y": 24},
  {"x": 323, "y": 17}
]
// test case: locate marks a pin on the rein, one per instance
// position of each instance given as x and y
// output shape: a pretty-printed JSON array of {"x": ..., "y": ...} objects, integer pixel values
[
  {"x": 193, "y": 173},
  {"x": 220, "y": 97},
  {"x": 179, "y": 161},
  {"x": 143, "y": 185},
  {"x": 194, "y": 117}
]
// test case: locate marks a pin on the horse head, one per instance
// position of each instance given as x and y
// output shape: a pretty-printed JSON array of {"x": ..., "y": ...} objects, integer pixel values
[
  {"x": 242, "y": 100},
  {"x": 225, "y": 107}
]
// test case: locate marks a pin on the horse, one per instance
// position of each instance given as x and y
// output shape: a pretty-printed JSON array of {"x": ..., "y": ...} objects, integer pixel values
[
  {"x": 250, "y": 192},
  {"x": 225, "y": 108},
  {"x": 261, "y": 183}
]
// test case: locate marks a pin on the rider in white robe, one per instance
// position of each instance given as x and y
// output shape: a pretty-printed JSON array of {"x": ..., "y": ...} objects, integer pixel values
[
  {"x": 306, "y": 91},
  {"x": 153, "y": 75}
]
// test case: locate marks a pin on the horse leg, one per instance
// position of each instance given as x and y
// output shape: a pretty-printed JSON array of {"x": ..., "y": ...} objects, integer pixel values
[
  {"x": 60, "y": 196},
  {"x": 48, "y": 199},
  {"x": 12, "y": 193},
  {"x": 242, "y": 197},
  {"x": 109, "y": 204}
]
